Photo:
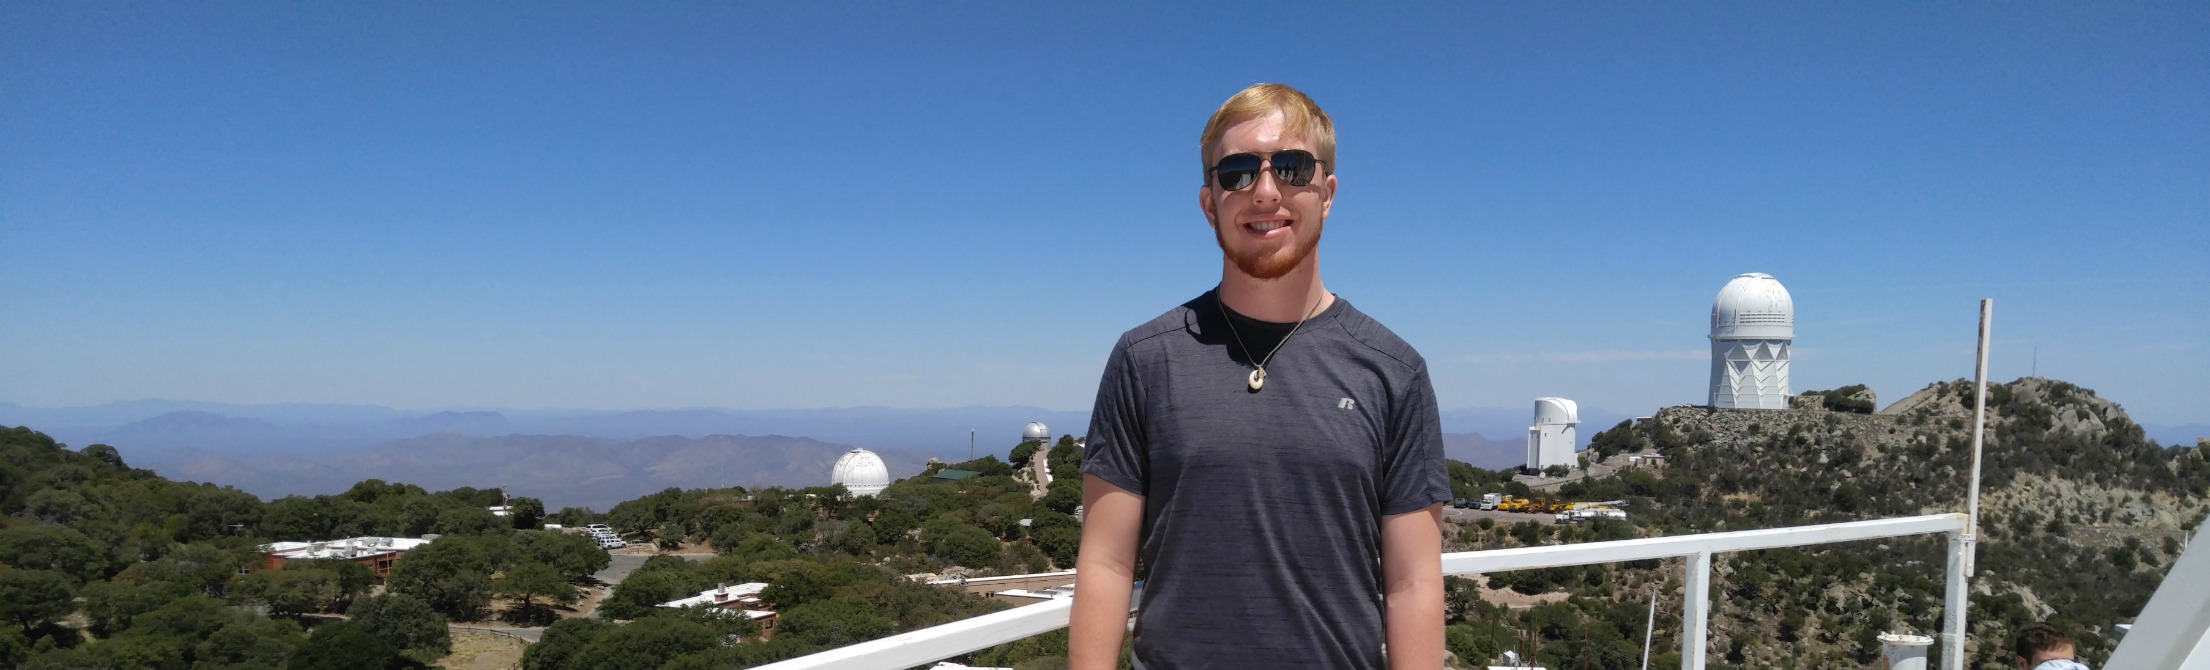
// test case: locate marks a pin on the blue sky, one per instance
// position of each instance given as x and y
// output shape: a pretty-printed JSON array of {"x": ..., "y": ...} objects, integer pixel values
[{"x": 542, "y": 205}]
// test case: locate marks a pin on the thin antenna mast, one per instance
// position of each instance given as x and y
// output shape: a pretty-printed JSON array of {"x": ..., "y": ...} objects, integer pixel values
[
  {"x": 1979, "y": 432},
  {"x": 1649, "y": 628},
  {"x": 1961, "y": 562}
]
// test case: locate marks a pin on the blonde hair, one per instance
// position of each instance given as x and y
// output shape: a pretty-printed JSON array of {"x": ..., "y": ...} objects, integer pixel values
[{"x": 1299, "y": 113}]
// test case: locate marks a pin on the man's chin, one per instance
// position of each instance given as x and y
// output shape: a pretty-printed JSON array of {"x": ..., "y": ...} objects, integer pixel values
[{"x": 1272, "y": 266}]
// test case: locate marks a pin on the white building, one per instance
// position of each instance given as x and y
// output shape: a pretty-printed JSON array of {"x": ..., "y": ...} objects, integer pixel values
[
  {"x": 744, "y": 596},
  {"x": 1753, "y": 324},
  {"x": 861, "y": 472},
  {"x": 1036, "y": 430},
  {"x": 1550, "y": 441}
]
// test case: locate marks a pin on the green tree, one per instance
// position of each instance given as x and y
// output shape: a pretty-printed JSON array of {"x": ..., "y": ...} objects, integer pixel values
[
  {"x": 287, "y": 593},
  {"x": 575, "y": 557},
  {"x": 1065, "y": 459},
  {"x": 470, "y": 521},
  {"x": 562, "y": 642},
  {"x": 640, "y": 594},
  {"x": 1022, "y": 452},
  {"x": 964, "y": 544},
  {"x": 645, "y": 643},
  {"x": 109, "y": 606},
  {"x": 31, "y": 598},
  {"x": 526, "y": 513},
  {"x": 56, "y": 548},
  {"x": 250, "y": 642},
  {"x": 15, "y": 649},
  {"x": 344, "y": 645},
  {"x": 452, "y": 574},
  {"x": 1061, "y": 543},
  {"x": 1064, "y": 494},
  {"x": 531, "y": 580},
  {"x": 833, "y": 622},
  {"x": 407, "y": 623},
  {"x": 893, "y": 524}
]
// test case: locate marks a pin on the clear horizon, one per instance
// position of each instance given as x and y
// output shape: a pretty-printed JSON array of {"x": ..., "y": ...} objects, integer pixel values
[{"x": 700, "y": 205}]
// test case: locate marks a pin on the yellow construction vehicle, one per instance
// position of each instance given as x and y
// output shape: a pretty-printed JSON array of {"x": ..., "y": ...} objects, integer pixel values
[{"x": 1517, "y": 504}]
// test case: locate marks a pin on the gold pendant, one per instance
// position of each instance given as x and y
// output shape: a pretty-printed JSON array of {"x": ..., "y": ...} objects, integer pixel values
[{"x": 1258, "y": 378}]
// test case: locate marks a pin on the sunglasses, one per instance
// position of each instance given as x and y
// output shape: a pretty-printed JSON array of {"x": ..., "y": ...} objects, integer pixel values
[{"x": 1236, "y": 172}]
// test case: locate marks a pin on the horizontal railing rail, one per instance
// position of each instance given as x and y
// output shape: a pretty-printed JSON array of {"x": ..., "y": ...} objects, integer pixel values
[{"x": 928, "y": 645}]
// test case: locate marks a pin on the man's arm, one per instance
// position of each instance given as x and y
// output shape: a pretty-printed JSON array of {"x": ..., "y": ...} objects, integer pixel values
[
  {"x": 1112, "y": 518},
  {"x": 1412, "y": 587}
]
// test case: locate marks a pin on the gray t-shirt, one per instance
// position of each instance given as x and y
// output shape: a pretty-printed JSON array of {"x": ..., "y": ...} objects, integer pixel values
[{"x": 1262, "y": 512}]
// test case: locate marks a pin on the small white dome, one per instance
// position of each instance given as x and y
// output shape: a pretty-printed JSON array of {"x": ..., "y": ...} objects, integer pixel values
[
  {"x": 1036, "y": 430},
  {"x": 1753, "y": 306},
  {"x": 1557, "y": 411},
  {"x": 861, "y": 472}
]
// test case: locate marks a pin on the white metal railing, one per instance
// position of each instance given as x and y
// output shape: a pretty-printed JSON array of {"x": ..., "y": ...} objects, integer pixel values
[{"x": 936, "y": 643}]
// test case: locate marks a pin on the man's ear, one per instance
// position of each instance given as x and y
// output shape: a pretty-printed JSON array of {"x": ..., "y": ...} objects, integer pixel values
[
  {"x": 1327, "y": 195},
  {"x": 1204, "y": 202}
]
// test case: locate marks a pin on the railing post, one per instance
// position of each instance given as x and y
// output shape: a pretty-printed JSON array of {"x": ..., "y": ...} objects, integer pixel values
[
  {"x": 1955, "y": 590},
  {"x": 1696, "y": 611}
]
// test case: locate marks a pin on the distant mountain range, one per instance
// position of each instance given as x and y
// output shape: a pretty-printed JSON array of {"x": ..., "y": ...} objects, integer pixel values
[
  {"x": 562, "y": 470},
  {"x": 583, "y": 457}
]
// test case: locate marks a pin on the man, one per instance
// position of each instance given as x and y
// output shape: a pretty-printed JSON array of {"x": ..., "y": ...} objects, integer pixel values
[
  {"x": 1265, "y": 457},
  {"x": 2042, "y": 646}
]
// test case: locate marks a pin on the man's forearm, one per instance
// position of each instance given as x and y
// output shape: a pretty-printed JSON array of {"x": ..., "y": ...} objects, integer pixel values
[
  {"x": 1415, "y": 625},
  {"x": 1412, "y": 588},
  {"x": 1099, "y": 619}
]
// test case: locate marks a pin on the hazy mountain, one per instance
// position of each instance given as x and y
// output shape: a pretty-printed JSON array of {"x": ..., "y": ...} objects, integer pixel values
[
  {"x": 1510, "y": 425},
  {"x": 1479, "y": 451},
  {"x": 2177, "y": 436},
  {"x": 562, "y": 470},
  {"x": 304, "y": 447},
  {"x": 471, "y": 423}
]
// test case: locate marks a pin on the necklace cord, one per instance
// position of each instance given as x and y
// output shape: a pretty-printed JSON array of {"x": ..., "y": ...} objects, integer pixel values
[{"x": 1261, "y": 363}]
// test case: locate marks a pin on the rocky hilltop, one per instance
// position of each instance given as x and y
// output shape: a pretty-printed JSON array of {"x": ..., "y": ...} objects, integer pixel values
[{"x": 2080, "y": 517}]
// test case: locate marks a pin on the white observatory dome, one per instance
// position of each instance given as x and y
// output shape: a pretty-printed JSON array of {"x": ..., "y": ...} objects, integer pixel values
[
  {"x": 1556, "y": 411},
  {"x": 861, "y": 472},
  {"x": 1754, "y": 305},
  {"x": 1036, "y": 430}
]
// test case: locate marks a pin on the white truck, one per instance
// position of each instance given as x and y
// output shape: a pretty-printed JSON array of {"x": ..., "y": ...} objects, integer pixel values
[{"x": 1581, "y": 514}]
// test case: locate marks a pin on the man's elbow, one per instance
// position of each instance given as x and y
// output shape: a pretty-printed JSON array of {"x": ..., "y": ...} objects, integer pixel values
[{"x": 1415, "y": 583}]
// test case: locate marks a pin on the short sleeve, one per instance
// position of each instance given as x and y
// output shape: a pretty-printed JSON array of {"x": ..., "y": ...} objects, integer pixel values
[
  {"x": 1115, "y": 447},
  {"x": 1413, "y": 473}
]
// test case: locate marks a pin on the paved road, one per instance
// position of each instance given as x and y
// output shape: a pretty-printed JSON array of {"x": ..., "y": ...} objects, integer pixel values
[
  {"x": 1469, "y": 515},
  {"x": 623, "y": 564},
  {"x": 616, "y": 570}
]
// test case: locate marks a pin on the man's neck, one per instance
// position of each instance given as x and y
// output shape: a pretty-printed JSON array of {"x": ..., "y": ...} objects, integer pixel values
[{"x": 1285, "y": 299}]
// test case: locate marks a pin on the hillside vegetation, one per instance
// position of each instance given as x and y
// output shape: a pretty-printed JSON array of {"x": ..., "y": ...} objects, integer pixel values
[
  {"x": 2081, "y": 516},
  {"x": 106, "y": 566}
]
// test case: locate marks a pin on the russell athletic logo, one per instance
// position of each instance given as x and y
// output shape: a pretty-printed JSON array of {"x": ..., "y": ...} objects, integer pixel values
[{"x": 1346, "y": 403}]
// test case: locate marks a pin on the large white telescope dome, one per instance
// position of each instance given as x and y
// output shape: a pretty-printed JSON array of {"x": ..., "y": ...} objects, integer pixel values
[
  {"x": 1036, "y": 430},
  {"x": 1556, "y": 411},
  {"x": 1753, "y": 305},
  {"x": 861, "y": 472},
  {"x": 1753, "y": 326}
]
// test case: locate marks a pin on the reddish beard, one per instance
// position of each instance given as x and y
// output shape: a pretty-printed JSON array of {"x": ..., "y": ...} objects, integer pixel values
[{"x": 1263, "y": 264}]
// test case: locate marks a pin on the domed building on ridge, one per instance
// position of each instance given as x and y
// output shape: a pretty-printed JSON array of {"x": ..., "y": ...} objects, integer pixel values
[
  {"x": 1753, "y": 325},
  {"x": 861, "y": 472},
  {"x": 1036, "y": 430}
]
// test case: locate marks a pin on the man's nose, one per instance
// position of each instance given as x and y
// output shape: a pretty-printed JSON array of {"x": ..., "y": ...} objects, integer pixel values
[{"x": 1267, "y": 188}]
